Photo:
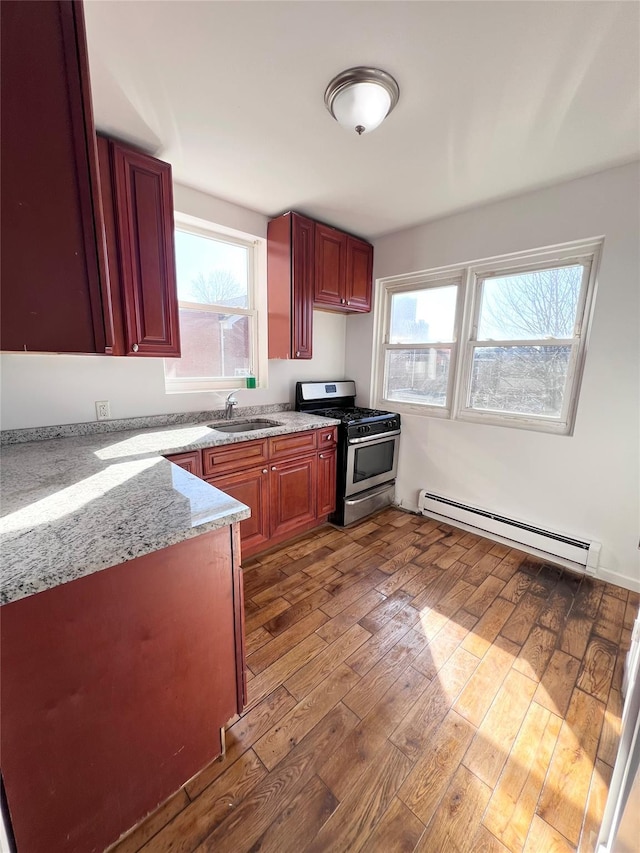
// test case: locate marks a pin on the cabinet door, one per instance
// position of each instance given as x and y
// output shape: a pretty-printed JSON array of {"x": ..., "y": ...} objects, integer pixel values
[
  {"x": 191, "y": 462},
  {"x": 118, "y": 681},
  {"x": 143, "y": 200},
  {"x": 327, "y": 481},
  {"x": 302, "y": 270},
  {"x": 251, "y": 488},
  {"x": 293, "y": 494},
  {"x": 330, "y": 266},
  {"x": 359, "y": 274},
  {"x": 52, "y": 258}
]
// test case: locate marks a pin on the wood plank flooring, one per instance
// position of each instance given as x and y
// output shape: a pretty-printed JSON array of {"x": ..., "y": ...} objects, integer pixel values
[{"x": 412, "y": 687}]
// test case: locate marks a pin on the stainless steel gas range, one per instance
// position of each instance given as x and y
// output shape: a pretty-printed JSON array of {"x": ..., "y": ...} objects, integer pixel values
[{"x": 368, "y": 443}]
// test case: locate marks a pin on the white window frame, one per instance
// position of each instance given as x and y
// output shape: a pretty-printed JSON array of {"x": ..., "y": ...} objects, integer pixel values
[
  {"x": 256, "y": 312},
  {"x": 471, "y": 276},
  {"x": 408, "y": 284}
]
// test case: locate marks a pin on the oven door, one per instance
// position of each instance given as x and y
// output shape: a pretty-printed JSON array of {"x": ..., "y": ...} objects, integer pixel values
[{"x": 371, "y": 461}]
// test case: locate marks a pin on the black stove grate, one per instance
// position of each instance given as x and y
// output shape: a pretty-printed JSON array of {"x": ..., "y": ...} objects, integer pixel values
[{"x": 352, "y": 415}]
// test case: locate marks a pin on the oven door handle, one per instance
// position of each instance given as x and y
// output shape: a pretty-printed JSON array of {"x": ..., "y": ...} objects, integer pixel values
[{"x": 373, "y": 439}]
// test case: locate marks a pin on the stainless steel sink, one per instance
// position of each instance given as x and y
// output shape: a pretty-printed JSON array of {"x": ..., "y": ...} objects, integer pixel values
[{"x": 244, "y": 426}]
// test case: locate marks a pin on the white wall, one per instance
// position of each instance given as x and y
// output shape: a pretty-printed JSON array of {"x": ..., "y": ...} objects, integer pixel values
[
  {"x": 586, "y": 484},
  {"x": 42, "y": 390}
]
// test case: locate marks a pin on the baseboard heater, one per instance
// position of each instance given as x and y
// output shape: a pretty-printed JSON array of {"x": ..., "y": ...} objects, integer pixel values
[{"x": 565, "y": 549}]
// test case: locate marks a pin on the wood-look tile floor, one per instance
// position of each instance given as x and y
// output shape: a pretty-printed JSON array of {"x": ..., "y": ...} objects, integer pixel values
[{"x": 412, "y": 687}]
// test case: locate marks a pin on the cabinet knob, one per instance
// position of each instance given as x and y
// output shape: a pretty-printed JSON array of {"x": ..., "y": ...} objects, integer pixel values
[
  {"x": 273, "y": 468},
  {"x": 322, "y": 456},
  {"x": 343, "y": 301},
  {"x": 297, "y": 353},
  {"x": 135, "y": 347},
  {"x": 327, "y": 438},
  {"x": 348, "y": 302},
  {"x": 265, "y": 470}
]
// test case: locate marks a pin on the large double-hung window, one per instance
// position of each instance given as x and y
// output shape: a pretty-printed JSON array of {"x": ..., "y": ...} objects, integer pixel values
[{"x": 501, "y": 341}]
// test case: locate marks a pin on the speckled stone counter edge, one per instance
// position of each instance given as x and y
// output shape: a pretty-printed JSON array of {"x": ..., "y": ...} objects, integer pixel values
[
  {"x": 44, "y": 433},
  {"x": 42, "y": 557}
]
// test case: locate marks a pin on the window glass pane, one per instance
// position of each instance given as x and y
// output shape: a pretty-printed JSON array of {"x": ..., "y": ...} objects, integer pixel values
[
  {"x": 530, "y": 305},
  {"x": 520, "y": 379},
  {"x": 211, "y": 271},
  {"x": 213, "y": 345},
  {"x": 423, "y": 316},
  {"x": 418, "y": 376}
]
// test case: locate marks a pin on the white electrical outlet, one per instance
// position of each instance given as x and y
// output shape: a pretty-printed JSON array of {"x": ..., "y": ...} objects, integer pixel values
[{"x": 103, "y": 410}]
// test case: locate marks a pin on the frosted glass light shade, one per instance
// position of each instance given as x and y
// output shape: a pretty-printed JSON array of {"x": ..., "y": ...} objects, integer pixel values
[
  {"x": 360, "y": 98},
  {"x": 361, "y": 105}
]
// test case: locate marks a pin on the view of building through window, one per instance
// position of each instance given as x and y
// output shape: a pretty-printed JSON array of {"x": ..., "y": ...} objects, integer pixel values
[
  {"x": 425, "y": 318},
  {"x": 539, "y": 308},
  {"x": 215, "y": 309}
]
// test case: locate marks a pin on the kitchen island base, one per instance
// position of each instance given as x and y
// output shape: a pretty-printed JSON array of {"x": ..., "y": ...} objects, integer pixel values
[{"x": 115, "y": 688}]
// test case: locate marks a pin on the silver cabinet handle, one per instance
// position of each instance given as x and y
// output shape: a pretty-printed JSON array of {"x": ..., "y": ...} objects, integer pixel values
[
  {"x": 324, "y": 456},
  {"x": 265, "y": 470},
  {"x": 297, "y": 353},
  {"x": 273, "y": 468},
  {"x": 135, "y": 347},
  {"x": 328, "y": 437}
]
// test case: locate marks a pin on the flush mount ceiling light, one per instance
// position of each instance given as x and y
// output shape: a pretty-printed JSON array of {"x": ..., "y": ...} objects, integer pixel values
[{"x": 361, "y": 98}]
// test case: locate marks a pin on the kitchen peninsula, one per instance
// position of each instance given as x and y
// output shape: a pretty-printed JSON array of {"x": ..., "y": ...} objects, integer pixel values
[{"x": 122, "y": 625}]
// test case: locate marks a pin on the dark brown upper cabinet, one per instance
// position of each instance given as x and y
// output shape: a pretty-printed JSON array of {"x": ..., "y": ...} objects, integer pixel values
[
  {"x": 359, "y": 276},
  {"x": 309, "y": 263},
  {"x": 331, "y": 266},
  {"x": 52, "y": 252},
  {"x": 344, "y": 267},
  {"x": 290, "y": 277},
  {"x": 141, "y": 302},
  {"x": 88, "y": 262}
]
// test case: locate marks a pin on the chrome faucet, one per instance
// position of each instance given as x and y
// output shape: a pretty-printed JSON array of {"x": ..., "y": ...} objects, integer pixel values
[{"x": 229, "y": 405}]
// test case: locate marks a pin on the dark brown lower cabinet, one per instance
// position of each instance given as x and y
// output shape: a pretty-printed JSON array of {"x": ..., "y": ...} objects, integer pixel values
[
  {"x": 288, "y": 482},
  {"x": 114, "y": 690},
  {"x": 292, "y": 487},
  {"x": 251, "y": 487},
  {"x": 282, "y": 499}
]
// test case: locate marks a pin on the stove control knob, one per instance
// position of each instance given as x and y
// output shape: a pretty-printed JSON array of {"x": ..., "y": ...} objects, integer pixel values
[{"x": 364, "y": 429}]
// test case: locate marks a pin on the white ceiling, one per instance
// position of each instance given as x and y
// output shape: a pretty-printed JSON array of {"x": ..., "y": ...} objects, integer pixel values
[{"x": 495, "y": 98}]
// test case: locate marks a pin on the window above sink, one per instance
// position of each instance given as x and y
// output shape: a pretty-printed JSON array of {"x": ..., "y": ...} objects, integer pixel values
[{"x": 222, "y": 310}]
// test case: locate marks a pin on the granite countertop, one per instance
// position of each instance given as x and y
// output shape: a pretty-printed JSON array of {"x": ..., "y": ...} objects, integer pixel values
[{"x": 74, "y": 506}]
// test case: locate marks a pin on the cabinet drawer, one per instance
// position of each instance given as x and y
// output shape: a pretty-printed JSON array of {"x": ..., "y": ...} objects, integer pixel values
[
  {"x": 281, "y": 446},
  {"x": 191, "y": 461},
  {"x": 327, "y": 437},
  {"x": 234, "y": 457}
]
